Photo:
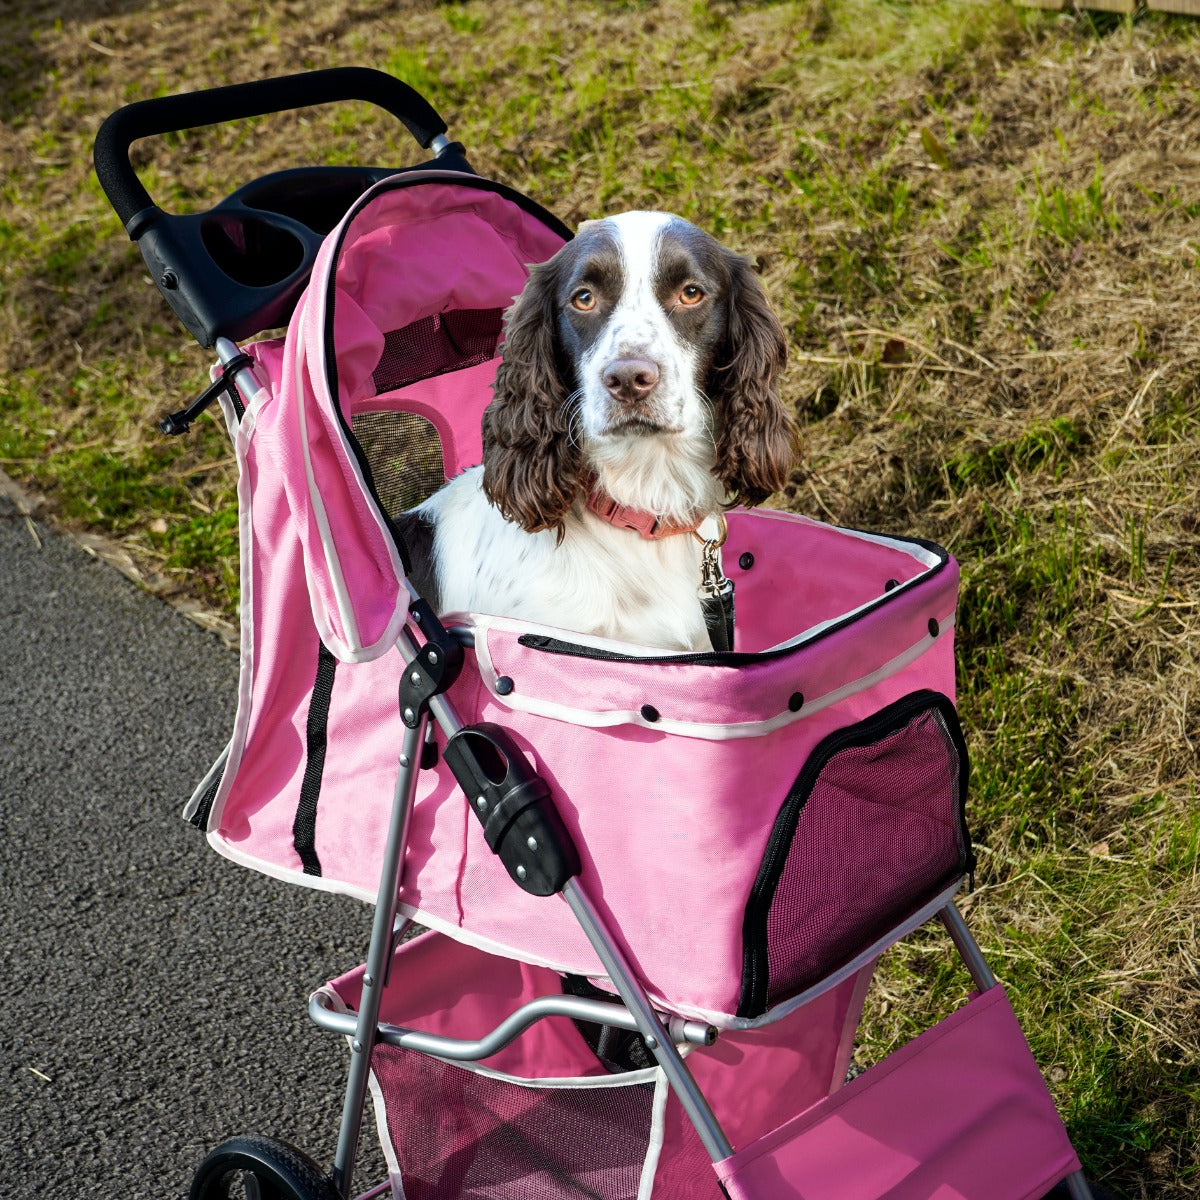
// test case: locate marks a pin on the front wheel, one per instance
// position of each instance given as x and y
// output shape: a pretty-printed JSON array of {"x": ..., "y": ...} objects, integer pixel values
[
  {"x": 259, "y": 1168},
  {"x": 1061, "y": 1192}
]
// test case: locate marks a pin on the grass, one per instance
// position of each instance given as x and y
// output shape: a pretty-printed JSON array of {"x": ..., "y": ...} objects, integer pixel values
[{"x": 979, "y": 226}]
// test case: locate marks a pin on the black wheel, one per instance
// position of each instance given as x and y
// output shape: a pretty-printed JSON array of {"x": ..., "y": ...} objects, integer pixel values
[
  {"x": 1060, "y": 1192},
  {"x": 259, "y": 1168}
]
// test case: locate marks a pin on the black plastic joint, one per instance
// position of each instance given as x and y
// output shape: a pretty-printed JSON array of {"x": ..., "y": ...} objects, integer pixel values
[
  {"x": 180, "y": 422},
  {"x": 434, "y": 669},
  {"x": 513, "y": 804}
]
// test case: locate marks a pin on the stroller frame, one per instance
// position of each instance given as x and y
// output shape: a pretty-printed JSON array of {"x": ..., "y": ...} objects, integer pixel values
[{"x": 536, "y": 850}]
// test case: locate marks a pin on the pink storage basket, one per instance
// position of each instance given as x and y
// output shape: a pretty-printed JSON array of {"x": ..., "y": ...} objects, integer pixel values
[
  {"x": 959, "y": 1113},
  {"x": 545, "y": 1117}
]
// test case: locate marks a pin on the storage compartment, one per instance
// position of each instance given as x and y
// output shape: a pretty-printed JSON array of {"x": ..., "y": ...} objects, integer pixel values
[{"x": 543, "y": 1117}]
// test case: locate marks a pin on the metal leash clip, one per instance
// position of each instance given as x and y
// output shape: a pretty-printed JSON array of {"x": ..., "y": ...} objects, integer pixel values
[{"x": 716, "y": 589}]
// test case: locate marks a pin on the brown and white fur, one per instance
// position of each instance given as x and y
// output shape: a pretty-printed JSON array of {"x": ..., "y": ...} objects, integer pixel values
[{"x": 642, "y": 358}]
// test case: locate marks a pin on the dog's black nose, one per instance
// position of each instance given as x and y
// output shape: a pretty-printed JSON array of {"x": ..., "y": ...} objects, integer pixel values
[{"x": 630, "y": 379}]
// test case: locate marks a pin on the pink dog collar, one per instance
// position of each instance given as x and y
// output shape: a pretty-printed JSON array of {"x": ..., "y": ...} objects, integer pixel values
[{"x": 640, "y": 521}]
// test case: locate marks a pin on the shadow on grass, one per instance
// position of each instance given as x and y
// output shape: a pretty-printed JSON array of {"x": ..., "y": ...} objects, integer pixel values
[{"x": 25, "y": 70}]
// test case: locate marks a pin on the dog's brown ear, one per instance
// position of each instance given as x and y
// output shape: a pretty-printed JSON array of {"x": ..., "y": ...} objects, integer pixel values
[
  {"x": 531, "y": 471},
  {"x": 757, "y": 435}
]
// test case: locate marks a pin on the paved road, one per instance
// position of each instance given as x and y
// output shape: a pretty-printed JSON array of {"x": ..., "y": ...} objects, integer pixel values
[{"x": 154, "y": 993}]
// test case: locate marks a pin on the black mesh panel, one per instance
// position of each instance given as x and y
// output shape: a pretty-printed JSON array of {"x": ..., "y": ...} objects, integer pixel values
[
  {"x": 404, "y": 452},
  {"x": 434, "y": 345},
  {"x": 460, "y": 1135},
  {"x": 872, "y": 830}
]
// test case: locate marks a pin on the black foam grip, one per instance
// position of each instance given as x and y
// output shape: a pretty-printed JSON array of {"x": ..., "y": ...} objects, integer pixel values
[{"x": 190, "y": 110}]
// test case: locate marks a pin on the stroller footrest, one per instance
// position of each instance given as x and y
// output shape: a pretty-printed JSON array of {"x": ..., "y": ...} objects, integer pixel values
[{"x": 960, "y": 1113}]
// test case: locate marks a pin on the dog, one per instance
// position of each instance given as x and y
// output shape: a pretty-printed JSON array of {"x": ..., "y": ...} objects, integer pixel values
[{"x": 635, "y": 400}]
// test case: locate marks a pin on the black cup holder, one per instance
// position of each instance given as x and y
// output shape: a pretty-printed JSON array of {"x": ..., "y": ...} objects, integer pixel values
[
  {"x": 316, "y": 198},
  {"x": 252, "y": 250}
]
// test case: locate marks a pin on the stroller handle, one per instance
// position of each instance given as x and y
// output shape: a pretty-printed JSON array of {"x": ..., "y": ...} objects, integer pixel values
[{"x": 191, "y": 110}]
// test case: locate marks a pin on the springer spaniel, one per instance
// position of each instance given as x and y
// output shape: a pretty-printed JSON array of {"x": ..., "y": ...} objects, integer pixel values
[{"x": 635, "y": 400}]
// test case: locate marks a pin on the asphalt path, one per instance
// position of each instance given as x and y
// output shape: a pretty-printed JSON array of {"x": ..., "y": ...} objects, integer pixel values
[{"x": 154, "y": 994}]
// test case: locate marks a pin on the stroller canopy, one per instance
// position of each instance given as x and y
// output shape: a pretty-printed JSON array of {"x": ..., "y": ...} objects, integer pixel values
[{"x": 403, "y": 312}]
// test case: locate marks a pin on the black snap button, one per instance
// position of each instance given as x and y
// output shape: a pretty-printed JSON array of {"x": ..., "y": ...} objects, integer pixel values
[
  {"x": 934, "y": 627},
  {"x": 796, "y": 701},
  {"x": 504, "y": 685},
  {"x": 746, "y": 561},
  {"x": 891, "y": 585},
  {"x": 649, "y": 712}
]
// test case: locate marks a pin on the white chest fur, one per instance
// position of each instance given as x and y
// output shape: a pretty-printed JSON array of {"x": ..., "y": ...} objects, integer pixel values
[{"x": 599, "y": 580}]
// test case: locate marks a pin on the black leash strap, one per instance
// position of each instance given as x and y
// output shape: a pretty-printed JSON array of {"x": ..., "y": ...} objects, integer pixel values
[{"x": 719, "y": 617}]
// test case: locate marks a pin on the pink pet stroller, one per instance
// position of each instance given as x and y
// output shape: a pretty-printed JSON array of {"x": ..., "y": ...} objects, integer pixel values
[{"x": 652, "y": 889}]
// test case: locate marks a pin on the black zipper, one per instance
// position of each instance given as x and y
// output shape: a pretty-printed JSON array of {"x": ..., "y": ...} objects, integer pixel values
[
  {"x": 199, "y": 818},
  {"x": 888, "y": 720}
]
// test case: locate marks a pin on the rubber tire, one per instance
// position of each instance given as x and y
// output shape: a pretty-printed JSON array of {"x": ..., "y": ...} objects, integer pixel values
[
  {"x": 280, "y": 1171},
  {"x": 1059, "y": 1192}
]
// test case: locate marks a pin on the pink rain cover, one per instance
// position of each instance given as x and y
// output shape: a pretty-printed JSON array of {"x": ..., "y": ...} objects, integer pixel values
[{"x": 670, "y": 773}]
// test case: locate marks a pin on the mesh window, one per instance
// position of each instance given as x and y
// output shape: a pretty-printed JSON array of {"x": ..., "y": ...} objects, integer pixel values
[
  {"x": 460, "y": 1135},
  {"x": 872, "y": 830},
  {"x": 404, "y": 452},
  {"x": 437, "y": 344}
]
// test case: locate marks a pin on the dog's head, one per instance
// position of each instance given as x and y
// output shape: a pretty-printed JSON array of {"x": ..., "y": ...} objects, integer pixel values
[{"x": 646, "y": 354}]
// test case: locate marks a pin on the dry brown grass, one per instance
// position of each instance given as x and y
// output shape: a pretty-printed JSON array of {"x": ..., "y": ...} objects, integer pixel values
[{"x": 980, "y": 227}]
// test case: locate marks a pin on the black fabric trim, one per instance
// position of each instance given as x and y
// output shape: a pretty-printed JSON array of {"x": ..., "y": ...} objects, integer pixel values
[
  {"x": 418, "y": 535},
  {"x": 204, "y": 809},
  {"x": 708, "y": 658},
  {"x": 755, "y": 989},
  {"x": 304, "y": 828}
]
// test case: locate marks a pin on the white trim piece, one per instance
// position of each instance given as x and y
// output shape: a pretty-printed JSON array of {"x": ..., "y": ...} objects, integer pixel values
[
  {"x": 332, "y": 562},
  {"x": 384, "y": 1133},
  {"x": 467, "y": 937},
  {"x": 565, "y": 1082},
  {"x": 240, "y": 433},
  {"x": 923, "y": 914},
  {"x": 657, "y": 1136},
  {"x": 358, "y": 652},
  {"x": 696, "y": 729},
  {"x": 317, "y": 883},
  {"x": 907, "y": 546},
  {"x": 193, "y": 804}
]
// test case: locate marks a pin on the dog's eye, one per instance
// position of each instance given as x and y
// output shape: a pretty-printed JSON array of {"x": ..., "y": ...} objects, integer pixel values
[
  {"x": 584, "y": 300},
  {"x": 691, "y": 294}
]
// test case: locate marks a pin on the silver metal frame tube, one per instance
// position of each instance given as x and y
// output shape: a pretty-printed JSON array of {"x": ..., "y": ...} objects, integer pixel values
[
  {"x": 967, "y": 947},
  {"x": 378, "y": 957},
  {"x": 577, "y": 1008},
  {"x": 716, "y": 1144},
  {"x": 228, "y": 352},
  {"x": 1078, "y": 1187}
]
